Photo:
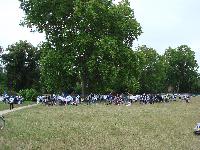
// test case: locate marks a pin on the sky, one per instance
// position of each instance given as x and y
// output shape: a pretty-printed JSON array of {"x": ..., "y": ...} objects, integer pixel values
[{"x": 164, "y": 23}]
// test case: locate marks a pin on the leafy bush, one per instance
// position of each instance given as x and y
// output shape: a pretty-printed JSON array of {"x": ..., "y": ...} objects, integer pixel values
[
  {"x": 2, "y": 89},
  {"x": 28, "y": 94}
]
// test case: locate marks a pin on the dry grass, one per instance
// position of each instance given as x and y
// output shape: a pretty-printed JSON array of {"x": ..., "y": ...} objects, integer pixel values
[{"x": 159, "y": 126}]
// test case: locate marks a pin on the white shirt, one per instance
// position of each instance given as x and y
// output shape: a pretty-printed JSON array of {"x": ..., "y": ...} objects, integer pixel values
[
  {"x": 11, "y": 100},
  {"x": 69, "y": 98}
]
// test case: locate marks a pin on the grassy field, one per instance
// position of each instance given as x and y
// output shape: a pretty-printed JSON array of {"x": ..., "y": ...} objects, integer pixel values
[
  {"x": 138, "y": 127},
  {"x": 4, "y": 106}
]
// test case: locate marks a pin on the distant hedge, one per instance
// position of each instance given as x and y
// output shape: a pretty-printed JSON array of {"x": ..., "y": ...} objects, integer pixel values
[{"x": 28, "y": 94}]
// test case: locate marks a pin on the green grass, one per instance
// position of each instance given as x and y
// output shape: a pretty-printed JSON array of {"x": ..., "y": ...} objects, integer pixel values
[
  {"x": 4, "y": 106},
  {"x": 139, "y": 127}
]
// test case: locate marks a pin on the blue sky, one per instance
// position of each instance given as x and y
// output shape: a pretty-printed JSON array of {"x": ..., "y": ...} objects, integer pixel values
[{"x": 165, "y": 23}]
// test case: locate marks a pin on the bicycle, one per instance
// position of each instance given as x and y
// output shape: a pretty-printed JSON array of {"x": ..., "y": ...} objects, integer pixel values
[{"x": 2, "y": 122}]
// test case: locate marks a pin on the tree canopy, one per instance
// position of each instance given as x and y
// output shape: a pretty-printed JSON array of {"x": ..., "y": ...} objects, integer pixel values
[
  {"x": 182, "y": 68},
  {"x": 3, "y": 78},
  {"x": 22, "y": 66},
  {"x": 89, "y": 48},
  {"x": 91, "y": 41},
  {"x": 152, "y": 70}
]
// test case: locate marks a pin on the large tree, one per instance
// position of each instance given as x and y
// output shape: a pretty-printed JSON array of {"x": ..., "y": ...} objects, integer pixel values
[
  {"x": 89, "y": 41},
  {"x": 151, "y": 69},
  {"x": 3, "y": 86},
  {"x": 196, "y": 86},
  {"x": 181, "y": 68},
  {"x": 21, "y": 62}
]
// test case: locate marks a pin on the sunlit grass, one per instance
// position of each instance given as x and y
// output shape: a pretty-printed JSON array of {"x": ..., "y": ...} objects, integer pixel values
[{"x": 159, "y": 126}]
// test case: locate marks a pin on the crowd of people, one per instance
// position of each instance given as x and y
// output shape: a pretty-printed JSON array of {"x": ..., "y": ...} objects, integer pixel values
[
  {"x": 116, "y": 99},
  {"x": 12, "y": 100},
  {"x": 128, "y": 99},
  {"x": 59, "y": 99},
  {"x": 109, "y": 99}
]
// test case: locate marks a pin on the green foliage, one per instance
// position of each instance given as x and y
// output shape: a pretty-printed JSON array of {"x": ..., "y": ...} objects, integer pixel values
[
  {"x": 151, "y": 70},
  {"x": 21, "y": 65},
  {"x": 182, "y": 68},
  {"x": 3, "y": 79},
  {"x": 56, "y": 76},
  {"x": 28, "y": 94},
  {"x": 196, "y": 85},
  {"x": 89, "y": 43},
  {"x": 83, "y": 44}
]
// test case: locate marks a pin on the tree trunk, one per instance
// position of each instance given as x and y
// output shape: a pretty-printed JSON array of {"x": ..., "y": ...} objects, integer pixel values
[
  {"x": 83, "y": 79},
  {"x": 82, "y": 90},
  {"x": 178, "y": 86}
]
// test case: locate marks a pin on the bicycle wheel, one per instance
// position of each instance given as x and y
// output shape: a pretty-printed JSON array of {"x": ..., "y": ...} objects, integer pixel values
[{"x": 2, "y": 122}]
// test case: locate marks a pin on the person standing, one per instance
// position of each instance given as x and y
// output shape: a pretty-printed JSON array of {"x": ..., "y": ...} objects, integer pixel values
[{"x": 11, "y": 102}]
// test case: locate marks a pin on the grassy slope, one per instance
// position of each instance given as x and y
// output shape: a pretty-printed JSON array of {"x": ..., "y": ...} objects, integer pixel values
[
  {"x": 4, "y": 106},
  {"x": 159, "y": 126}
]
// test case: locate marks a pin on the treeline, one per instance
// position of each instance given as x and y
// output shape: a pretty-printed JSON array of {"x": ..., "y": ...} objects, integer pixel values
[
  {"x": 88, "y": 48},
  {"x": 142, "y": 71}
]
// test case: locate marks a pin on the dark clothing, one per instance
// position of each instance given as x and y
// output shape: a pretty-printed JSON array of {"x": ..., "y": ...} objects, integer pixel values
[{"x": 11, "y": 106}]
